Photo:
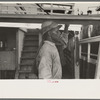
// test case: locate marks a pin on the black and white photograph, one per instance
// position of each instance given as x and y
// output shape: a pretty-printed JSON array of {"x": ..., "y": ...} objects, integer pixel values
[
  {"x": 57, "y": 40},
  {"x": 50, "y": 50}
]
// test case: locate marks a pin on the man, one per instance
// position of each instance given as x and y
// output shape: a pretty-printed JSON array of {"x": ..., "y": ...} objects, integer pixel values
[{"x": 48, "y": 60}]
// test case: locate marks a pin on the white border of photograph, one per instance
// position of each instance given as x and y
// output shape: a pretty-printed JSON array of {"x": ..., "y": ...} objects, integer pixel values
[{"x": 51, "y": 89}]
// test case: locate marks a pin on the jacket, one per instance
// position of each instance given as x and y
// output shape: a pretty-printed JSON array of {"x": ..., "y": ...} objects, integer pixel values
[{"x": 48, "y": 62}]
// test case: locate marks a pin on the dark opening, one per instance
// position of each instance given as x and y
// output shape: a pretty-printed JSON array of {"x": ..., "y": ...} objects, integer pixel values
[
  {"x": 47, "y": 11},
  {"x": 85, "y": 47},
  {"x": 7, "y": 52},
  {"x": 94, "y": 47},
  {"x": 59, "y": 11}
]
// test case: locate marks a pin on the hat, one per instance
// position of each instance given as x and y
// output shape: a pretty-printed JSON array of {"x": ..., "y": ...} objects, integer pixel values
[{"x": 48, "y": 25}]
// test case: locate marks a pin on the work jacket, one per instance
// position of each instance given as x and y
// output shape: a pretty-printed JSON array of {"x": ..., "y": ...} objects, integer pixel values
[{"x": 48, "y": 60}]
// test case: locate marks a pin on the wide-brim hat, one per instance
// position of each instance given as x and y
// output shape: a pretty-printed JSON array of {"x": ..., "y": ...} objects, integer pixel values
[{"x": 48, "y": 25}]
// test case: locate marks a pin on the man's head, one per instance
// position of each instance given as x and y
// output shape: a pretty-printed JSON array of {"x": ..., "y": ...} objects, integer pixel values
[
  {"x": 51, "y": 29},
  {"x": 48, "y": 25}
]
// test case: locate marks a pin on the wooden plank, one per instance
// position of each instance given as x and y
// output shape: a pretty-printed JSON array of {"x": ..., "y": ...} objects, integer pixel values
[
  {"x": 93, "y": 61},
  {"x": 17, "y": 55},
  {"x": 91, "y": 39},
  {"x": 80, "y": 50},
  {"x": 97, "y": 72},
  {"x": 95, "y": 55},
  {"x": 50, "y": 8},
  {"x": 22, "y": 26},
  {"x": 88, "y": 60},
  {"x": 15, "y": 5},
  {"x": 89, "y": 45},
  {"x": 76, "y": 55},
  {"x": 19, "y": 45},
  {"x": 62, "y": 4},
  {"x": 62, "y": 19},
  {"x": 88, "y": 53},
  {"x": 71, "y": 17},
  {"x": 29, "y": 11}
]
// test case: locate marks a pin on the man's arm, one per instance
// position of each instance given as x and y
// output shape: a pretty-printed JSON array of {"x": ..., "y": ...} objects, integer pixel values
[{"x": 45, "y": 66}]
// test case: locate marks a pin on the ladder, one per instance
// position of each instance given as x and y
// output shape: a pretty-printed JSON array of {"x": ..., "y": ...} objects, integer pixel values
[{"x": 30, "y": 47}]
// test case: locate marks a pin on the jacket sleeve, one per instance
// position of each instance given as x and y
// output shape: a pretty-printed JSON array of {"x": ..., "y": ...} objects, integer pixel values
[{"x": 45, "y": 66}]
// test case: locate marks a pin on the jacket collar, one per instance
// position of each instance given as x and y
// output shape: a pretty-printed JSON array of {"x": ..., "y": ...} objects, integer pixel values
[{"x": 49, "y": 42}]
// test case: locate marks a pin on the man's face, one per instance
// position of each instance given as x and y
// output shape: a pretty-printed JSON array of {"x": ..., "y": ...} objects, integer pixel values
[
  {"x": 55, "y": 34},
  {"x": 59, "y": 37}
]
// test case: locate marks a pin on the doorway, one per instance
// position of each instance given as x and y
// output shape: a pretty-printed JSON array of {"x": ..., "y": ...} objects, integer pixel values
[{"x": 7, "y": 52}]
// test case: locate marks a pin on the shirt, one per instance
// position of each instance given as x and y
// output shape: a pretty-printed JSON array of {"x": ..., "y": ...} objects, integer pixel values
[{"x": 49, "y": 65}]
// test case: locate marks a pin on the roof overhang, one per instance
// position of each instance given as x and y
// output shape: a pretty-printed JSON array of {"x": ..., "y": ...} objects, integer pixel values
[{"x": 63, "y": 19}]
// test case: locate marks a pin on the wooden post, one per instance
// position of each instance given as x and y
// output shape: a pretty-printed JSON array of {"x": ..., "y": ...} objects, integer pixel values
[
  {"x": 88, "y": 61},
  {"x": 76, "y": 54},
  {"x": 19, "y": 47},
  {"x": 80, "y": 58},
  {"x": 88, "y": 53},
  {"x": 51, "y": 8},
  {"x": 97, "y": 72},
  {"x": 17, "y": 53}
]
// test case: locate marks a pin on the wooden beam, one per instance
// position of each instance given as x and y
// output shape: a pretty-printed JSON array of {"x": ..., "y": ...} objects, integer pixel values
[
  {"x": 88, "y": 54},
  {"x": 95, "y": 55},
  {"x": 97, "y": 72},
  {"x": 91, "y": 39},
  {"x": 92, "y": 61},
  {"x": 71, "y": 17},
  {"x": 20, "y": 25},
  {"x": 76, "y": 56},
  {"x": 62, "y": 4},
  {"x": 15, "y": 5},
  {"x": 89, "y": 45},
  {"x": 14, "y": 18},
  {"x": 49, "y": 8},
  {"x": 23, "y": 29},
  {"x": 29, "y": 18}
]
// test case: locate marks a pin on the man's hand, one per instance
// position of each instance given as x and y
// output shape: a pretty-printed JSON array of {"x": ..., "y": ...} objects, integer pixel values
[
  {"x": 66, "y": 28},
  {"x": 65, "y": 36}
]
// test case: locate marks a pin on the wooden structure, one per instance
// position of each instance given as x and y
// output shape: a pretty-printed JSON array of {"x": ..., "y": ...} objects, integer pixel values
[
  {"x": 89, "y": 52},
  {"x": 11, "y": 41},
  {"x": 57, "y": 8},
  {"x": 18, "y": 8},
  {"x": 89, "y": 42},
  {"x": 7, "y": 52},
  {"x": 37, "y": 8},
  {"x": 28, "y": 53}
]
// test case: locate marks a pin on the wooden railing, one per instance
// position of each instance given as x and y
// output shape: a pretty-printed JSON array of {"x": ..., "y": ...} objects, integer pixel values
[{"x": 86, "y": 56}]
